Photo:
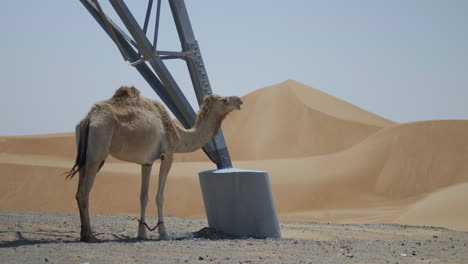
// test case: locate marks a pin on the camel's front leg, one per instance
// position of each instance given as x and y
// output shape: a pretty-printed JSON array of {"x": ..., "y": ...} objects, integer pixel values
[
  {"x": 145, "y": 177},
  {"x": 166, "y": 163}
]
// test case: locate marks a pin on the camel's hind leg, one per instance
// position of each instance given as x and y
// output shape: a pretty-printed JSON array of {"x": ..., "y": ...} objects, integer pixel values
[
  {"x": 87, "y": 176},
  {"x": 98, "y": 149},
  {"x": 145, "y": 177},
  {"x": 166, "y": 164}
]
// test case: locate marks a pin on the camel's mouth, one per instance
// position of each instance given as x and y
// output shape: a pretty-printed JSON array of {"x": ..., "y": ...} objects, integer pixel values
[
  {"x": 239, "y": 102},
  {"x": 233, "y": 102}
]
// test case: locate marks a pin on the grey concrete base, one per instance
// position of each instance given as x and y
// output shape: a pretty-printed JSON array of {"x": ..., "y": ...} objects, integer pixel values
[{"x": 240, "y": 202}]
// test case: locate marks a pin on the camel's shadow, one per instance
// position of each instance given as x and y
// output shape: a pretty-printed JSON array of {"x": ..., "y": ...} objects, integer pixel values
[
  {"x": 62, "y": 238},
  {"x": 41, "y": 237}
]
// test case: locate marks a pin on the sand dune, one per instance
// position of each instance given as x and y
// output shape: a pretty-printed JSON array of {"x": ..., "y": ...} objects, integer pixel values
[
  {"x": 447, "y": 207},
  {"x": 374, "y": 181},
  {"x": 331, "y": 163},
  {"x": 424, "y": 156},
  {"x": 276, "y": 123},
  {"x": 380, "y": 171}
]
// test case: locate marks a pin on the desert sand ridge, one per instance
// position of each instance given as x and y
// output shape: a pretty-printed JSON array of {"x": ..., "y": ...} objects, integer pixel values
[
  {"x": 333, "y": 106},
  {"x": 322, "y": 168}
]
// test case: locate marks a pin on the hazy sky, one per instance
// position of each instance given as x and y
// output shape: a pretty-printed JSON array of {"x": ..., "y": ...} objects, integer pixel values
[{"x": 406, "y": 60}]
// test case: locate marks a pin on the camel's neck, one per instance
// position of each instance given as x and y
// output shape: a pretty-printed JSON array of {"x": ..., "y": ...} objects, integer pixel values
[{"x": 196, "y": 137}]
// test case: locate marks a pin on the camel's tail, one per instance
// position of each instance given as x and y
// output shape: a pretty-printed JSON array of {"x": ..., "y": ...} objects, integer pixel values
[{"x": 82, "y": 149}]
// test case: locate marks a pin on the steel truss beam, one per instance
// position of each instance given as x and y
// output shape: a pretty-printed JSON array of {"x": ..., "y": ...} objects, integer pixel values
[{"x": 159, "y": 78}]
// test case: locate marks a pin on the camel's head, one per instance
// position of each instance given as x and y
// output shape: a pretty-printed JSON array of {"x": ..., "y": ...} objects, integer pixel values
[
  {"x": 219, "y": 106},
  {"x": 222, "y": 105}
]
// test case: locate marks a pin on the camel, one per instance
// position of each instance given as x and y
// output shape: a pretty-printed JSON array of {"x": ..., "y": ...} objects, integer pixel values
[{"x": 136, "y": 129}]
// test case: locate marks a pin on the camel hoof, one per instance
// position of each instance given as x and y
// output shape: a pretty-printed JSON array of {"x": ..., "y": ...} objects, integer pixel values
[
  {"x": 142, "y": 237},
  {"x": 89, "y": 238}
]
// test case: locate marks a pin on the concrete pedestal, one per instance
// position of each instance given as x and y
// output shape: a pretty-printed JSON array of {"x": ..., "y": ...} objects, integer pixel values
[{"x": 240, "y": 202}]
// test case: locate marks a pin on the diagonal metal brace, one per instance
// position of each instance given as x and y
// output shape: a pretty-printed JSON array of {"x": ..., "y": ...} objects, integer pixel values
[
  {"x": 220, "y": 153},
  {"x": 186, "y": 118}
]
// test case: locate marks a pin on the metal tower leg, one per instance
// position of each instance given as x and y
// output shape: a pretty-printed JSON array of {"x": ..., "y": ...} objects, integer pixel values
[
  {"x": 197, "y": 70},
  {"x": 166, "y": 86}
]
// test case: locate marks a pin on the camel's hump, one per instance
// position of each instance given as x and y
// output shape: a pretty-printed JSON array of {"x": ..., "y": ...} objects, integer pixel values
[{"x": 126, "y": 91}]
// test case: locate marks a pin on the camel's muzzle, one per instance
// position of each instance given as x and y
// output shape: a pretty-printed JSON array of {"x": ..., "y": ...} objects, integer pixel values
[{"x": 239, "y": 102}]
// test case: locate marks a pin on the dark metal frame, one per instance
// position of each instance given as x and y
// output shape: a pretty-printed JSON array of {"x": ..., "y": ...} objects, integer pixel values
[{"x": 139, "y": 51}]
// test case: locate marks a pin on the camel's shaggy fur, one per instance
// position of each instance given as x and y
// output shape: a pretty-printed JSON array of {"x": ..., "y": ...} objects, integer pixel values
[{"x": 139, "y": 130}]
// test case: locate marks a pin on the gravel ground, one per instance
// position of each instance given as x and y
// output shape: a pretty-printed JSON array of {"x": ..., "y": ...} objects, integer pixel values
[{"x": 37, "y": 237}]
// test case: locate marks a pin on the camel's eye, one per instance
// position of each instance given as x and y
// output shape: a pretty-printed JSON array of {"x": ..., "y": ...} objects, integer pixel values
[{"x": 226, "y": 100}]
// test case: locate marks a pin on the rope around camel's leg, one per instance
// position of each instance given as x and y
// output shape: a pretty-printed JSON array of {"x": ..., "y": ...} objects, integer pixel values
[{"x": 144, "y": 224}]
